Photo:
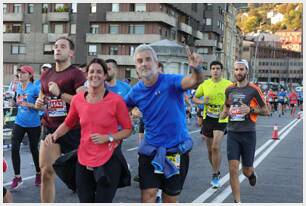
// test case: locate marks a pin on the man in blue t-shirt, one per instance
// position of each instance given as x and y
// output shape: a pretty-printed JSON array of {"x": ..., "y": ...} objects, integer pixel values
[
  {"x": 160, "y": 98},
  {"x": 112, "y": 83}
]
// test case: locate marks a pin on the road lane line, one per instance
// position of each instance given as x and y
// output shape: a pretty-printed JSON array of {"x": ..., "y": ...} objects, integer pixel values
[
  {"x": 210, "y": 191},
  {"x": 222, "y": 196}
]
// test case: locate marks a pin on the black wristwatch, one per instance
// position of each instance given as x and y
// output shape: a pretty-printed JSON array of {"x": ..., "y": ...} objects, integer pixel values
[{"x": 252, "y": 110}]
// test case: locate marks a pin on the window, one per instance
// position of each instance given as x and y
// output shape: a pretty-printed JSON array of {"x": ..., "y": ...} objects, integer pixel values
[
  {"x": 45, "y": 8},
  {"x": 17, "y": 8},
  {"x": 113, "y": 50},
  {"x": 58, "y": 29},
  {"x": 136, "y": 29},
  {"x": 30, "y": 8},
  {"x": 113, "y": 29},
  {"x": 45, "y": 28},
  {"x": 203, "y": 50},
  {"x": 132, "y": 49},
  {"x": 208, "y": 21},
  {"x": 194, "y": 7},
  {"x": 72, "y": 28},
  {"x": 93, "y": 8},
  {"x": 4, "y": 28},
  {"x": 208, "y": 6},
  {"x": 140, "y": 7},
  {"x": 18, "y": 49},
  {"x": 74, "y": 8},
  {"x": 27, "y": 28},
  {"x": 16, "y": 28},
  {"x": 4, "y": 8},
  {"x": 173, "y": 34},
  {"x": 92, "y": 50},
  {"x": 115, "y": 7},
  {"x": 48, "y": 49},
  {"x": 94, "y": 29},
  {"x": 59, "y": 6}
]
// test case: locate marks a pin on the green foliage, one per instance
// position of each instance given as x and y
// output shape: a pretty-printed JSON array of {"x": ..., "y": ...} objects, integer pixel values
[{"x": 256, "y": 18}]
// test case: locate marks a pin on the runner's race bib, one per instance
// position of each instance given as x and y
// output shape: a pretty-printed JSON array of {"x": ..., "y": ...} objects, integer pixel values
[
  {"x": 235, "y": 115},
  {"x": 213, "y": 111},
  {"x": 175, "y": 159},
  {"x": 57, "y": 108}
]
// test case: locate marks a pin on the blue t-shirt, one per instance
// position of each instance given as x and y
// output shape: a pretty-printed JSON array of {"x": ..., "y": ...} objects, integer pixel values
[
  {"x": 27, "y": 117},
  {"x": 281, "y": 96},
  {"x": 120, "y": 88},
  {"x": 162, "y": 106}
]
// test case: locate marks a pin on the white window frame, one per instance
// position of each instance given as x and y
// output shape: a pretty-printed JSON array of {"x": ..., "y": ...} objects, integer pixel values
[
  {"x": 93, "y": 7},
  {"x": 140, "y": 7},
  {"x": 57, "y": 27},
  {"x": 32, "y": 7},
  {"x": 208, "y": 21},
  {"x": 26, "y": 27},
  {"x": 94, "y": 28},
  {"x": 113, "y": 48},
  {"x": 48, "y": 48},
  {"x": 4, "y": 8},
  {"x": 74, "y": 7},
  {"x": 45, "y": 28},
  {"x": 115, "y": 7},
  {"x": 113, "y": 26},
  {"x": 92, "y": 49},
  {"x": 18, "y": 49},
  {"x": 17, "y": 11},
  {"x": 72, "y": 28}
]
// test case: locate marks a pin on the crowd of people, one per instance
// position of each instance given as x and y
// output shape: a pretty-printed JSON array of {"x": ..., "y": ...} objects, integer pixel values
[{"x": 87, "y": 112}]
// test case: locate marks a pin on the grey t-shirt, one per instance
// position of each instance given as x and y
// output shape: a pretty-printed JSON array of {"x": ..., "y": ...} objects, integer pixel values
[{"x": 250, "y": 95}]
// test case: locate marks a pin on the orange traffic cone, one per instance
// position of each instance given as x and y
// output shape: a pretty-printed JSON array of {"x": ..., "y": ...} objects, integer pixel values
[{"x": 275, "y": 132}]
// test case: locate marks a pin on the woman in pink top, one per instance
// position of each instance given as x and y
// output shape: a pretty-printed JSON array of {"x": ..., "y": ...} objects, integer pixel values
[
  {"x": 100, "y": 161},
  {"x": 293, "y": 99}
]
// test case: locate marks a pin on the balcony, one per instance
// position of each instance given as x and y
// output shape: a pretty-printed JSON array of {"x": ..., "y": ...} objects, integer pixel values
[
  {"x": 122, "y": 38},
  {"x": 11, "y": 37},
  {"x": 13, "y": 17},
  {"x": 185, "y": 28},
  {"x": 58, "y": 16},
  {"x": 206, "y": 42},
  {"x": 52, "y": 37},
  {"x": 141, "y": 17},
  {"x": 121, "y": 59}
]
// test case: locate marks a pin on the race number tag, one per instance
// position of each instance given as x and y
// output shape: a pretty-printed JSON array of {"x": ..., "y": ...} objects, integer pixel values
[
  {"x": 57, "y": 108},
  {"x": 235, "y": 115},
  {"x": 175, "y": 159},
  {"x": 213, "y": 111}
]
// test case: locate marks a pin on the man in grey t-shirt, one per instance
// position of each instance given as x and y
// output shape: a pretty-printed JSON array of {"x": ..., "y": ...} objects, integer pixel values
[{"x": 244, "y": 101}]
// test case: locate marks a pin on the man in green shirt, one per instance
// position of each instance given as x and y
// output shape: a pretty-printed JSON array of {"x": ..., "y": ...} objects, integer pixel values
[{"x": 213, "y": 91}]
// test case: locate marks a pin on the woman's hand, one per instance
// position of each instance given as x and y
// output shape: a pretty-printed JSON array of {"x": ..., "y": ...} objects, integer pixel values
[
  {"x": 98, "y": 138},
  {"x": 50, "y": 139}
]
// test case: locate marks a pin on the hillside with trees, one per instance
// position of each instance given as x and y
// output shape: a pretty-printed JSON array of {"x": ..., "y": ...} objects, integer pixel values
[{"x": 256, "y": 17}]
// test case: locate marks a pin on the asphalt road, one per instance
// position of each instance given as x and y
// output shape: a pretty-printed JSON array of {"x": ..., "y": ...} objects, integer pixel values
[{"x": 279, "y": 166}]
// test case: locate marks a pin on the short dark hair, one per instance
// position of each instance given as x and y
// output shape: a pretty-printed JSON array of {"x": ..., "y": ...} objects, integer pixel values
[
  {"x": 71, "y": 44},
  {"x": 98, "y": 61},
  {"x": 215, "y": 63},
  {"x": 111, "y": 61},
  {"x": 82, "y": 65}
]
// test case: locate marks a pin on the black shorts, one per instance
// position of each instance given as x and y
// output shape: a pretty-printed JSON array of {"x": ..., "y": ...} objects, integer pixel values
[
  {"x": 68, "y": 142},
  {"x": 210, "y": 124},
  {"x": 241, "y": 144},
  {"x": 4, "y": 191},
  {"x": 141, "y": 126},
  {"x": 171, "y": 186},
  {"x": 292, "y": 105},
  {"x": 300, "y": 102}
]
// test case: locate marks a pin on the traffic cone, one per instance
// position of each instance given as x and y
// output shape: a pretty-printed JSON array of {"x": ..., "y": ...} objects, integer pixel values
[{"x": 275, "y": 132}]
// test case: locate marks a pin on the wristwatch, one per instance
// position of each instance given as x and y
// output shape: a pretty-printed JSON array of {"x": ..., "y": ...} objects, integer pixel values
[
  {"x": 252, "y": 110},
  {"x": 110, "y": 138}
]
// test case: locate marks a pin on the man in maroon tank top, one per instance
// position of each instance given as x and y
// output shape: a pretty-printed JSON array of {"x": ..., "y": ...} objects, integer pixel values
[{"x": 58, "y": 85}]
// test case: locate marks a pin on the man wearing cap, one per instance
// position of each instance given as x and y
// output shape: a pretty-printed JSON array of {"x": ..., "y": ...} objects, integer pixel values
[
  {"x": 27, "y": 121},
  {"x": 43, "y": 68},
  {"x": 58, "y": 85},
  {"x": 243, "y": 102}
]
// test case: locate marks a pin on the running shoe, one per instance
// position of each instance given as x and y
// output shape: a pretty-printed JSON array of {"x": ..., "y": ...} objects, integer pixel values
[
  {"x": 252, "y": 179},
  {"x": 16, "y": 183},
  {"x": 136, "y": 178},
  {"x": 37, "y": 179},
  {"x": 215, "y": 182}
]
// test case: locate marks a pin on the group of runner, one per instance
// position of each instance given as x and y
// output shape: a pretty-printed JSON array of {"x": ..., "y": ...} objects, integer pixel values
[
  {"x": 281, "y": 100},
  {"x": 85, "y": 115}
]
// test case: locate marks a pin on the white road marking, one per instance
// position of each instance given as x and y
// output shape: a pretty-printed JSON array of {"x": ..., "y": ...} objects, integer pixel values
[
  {"x": 210, "y": 191},
  {"x": 221, "y": 197}
]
